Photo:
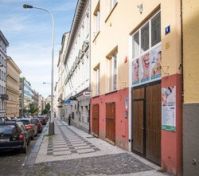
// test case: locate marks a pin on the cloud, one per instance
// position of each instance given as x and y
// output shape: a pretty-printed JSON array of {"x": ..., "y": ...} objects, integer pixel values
[{"x": 13, "y": 23}]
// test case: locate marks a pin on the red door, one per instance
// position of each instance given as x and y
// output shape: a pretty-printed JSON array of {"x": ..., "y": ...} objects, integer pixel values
[
  {"x": 95, "y": 119},
  {"x": 110, "y": 121}
]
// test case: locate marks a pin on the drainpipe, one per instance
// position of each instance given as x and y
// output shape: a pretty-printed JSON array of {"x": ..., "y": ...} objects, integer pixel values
[
  {"x": 130, "y": 126},
  {"x": 182, "y": 78},
  {"x": 89, "y": 129}
]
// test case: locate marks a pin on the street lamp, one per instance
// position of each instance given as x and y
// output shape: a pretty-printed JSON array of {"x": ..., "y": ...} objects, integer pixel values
[{"x": 51, "y": 123}]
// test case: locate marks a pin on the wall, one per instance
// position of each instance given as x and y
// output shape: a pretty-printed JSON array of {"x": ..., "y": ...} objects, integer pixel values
[
  {"x": 115, "y": 29},
  {"x": 121, "y": 116},
  {"x": 191, "y": 87}
]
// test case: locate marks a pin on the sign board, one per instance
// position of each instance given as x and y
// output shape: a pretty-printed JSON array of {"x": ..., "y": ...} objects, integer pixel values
[
  {"x": 86, "y": 94},
  {"x": 169, "y": 108}
]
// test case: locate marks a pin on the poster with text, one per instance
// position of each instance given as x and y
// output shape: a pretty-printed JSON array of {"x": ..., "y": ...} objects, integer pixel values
[
  {"x": 155, "y": 66},
  {"x": 169, "y": 108}
]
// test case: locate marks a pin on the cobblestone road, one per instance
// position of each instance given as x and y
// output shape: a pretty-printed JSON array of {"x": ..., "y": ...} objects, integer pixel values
[{"x": 71, "y": 152}]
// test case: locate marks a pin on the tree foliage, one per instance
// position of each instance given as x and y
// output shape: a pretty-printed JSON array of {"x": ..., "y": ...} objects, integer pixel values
[{"x": 47, "y": 109}]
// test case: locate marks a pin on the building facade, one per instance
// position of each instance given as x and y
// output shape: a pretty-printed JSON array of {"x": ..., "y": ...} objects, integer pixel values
[
  {"x": 41, "y": 104},
  {"x": 3, "y": 71},
  {"x": 26, "y": 96},
  {"x": 190, "y": 26},
  {"x": 12, "y": 88},
  {"x": 77, "y": 98},
  {"x": 136, "y": 75},
  {"x": 61, "y": 113}
]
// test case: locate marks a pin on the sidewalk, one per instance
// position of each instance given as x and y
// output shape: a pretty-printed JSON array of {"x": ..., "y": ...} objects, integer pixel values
[{"x": 73, "y": 152}]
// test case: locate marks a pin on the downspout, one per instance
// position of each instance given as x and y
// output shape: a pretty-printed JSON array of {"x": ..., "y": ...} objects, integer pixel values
[
  {"x": 182, "y": 80},
  {"x": 89, "y": 129}
]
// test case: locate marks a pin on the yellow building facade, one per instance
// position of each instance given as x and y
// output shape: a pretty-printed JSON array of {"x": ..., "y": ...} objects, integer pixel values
[
  {"x": 114, "y": 107},
  {"x": 12, "y": 88},
  {"x": 190, "y": 23}
]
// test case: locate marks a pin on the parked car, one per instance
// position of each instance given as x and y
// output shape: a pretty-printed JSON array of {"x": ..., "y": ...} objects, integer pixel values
[
  {"x": 32, "y": 128},
  {"x": 13, "y": 136},
  {"x": 42, "y": 120},
  {"x": 37, "y": 122}
]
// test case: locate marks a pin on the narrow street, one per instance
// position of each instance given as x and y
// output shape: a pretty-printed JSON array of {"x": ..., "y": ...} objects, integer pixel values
[{"x": 72, "y": 152}]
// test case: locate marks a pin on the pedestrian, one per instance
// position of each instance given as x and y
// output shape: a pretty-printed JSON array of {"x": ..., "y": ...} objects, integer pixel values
[{"x": 69, "y": 119}]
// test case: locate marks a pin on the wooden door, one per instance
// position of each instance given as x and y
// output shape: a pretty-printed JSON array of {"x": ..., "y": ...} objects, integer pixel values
[
  {"x": 110, "y": 121},
  {"x": 153, "y": 122},
  {"x": 138, "y": 120},
  {"x": 95, "y": 119},
  {"x": 146, "y": 119}
]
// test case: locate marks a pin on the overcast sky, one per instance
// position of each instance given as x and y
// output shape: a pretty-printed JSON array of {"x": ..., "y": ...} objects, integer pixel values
[{"x": 28, "y": 32}]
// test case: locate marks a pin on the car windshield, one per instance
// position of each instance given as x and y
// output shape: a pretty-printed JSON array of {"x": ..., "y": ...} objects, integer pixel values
[
  {"x": 25, "y": 122},
  {"x": 6, "y": 129}
]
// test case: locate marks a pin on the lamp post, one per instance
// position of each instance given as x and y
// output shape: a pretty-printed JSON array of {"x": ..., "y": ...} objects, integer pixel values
[{"x": 51, "y": 123}]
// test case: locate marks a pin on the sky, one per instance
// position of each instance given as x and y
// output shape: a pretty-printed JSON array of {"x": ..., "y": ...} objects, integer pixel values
[{"x": 28, "y": 32}]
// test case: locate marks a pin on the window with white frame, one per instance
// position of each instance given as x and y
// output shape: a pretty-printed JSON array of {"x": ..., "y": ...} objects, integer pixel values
[
  {"x": 97, "y": 78},
  {"x": 146, "y": 52},
  {"x": 97, "y": 19},
  {"x": 112, "y": 72}
]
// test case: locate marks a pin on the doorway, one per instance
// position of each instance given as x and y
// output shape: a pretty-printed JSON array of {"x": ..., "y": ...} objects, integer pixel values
[
  {"x": 146, "y": 115},
  {"x": 110, "y": 121},
  {"x": 95, "y": 120}
]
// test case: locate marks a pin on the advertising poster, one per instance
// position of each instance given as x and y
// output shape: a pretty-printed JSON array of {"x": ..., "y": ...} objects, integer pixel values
[
  {"x": 145, "y": 68},
  {"x": 169, "y": 108},
  {"x": 155, "y": 59},
  {"x": 135, "y": 74}
]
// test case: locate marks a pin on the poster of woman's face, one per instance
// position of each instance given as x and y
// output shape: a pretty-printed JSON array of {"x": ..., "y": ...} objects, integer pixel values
[
  {"x": 145, "y": 61},
  {"x": 135, "y": 73},
  {"x": 155, "y": 58}
]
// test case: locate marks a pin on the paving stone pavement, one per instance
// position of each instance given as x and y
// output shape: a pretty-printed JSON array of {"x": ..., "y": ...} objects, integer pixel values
[{"x": 74, "y": 152}]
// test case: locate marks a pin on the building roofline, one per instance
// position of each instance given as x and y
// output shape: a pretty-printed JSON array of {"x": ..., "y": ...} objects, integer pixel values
[
  {"x": 4, "y": 39},
  {"x": 13, "y": 64},
  {"x": 62, "y": 46},
  {"x": 81, "y": 4}
]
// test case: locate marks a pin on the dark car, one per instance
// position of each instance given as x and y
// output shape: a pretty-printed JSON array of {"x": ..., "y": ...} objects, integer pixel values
[
  {"x": 12, "y": 136},
  {"x": 37, "y": 122}
]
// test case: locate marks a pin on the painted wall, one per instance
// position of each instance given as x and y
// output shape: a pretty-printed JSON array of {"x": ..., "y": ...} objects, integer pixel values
[
  {"x": 191, "y": 87},
  {"x": 116, "y": 27},
  {"x": 191, "y": 50},
  {"x": 121, "y": 116}
]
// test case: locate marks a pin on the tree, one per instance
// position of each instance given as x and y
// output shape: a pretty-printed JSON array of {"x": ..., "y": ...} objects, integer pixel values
[
  {"x": 32, "y": 108},
  {"x": 47, "y": 109}
]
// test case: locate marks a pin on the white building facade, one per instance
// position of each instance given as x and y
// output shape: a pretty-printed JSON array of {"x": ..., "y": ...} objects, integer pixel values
[
  {"x": 77, "y": 65},
  {"x": 3, "y": 72},
  {"x": 61, "y": 77}
]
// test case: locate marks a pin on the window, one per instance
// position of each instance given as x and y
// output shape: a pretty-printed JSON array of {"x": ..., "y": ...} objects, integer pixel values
[
  {"x": 155, "y": 30},
  {"x": 146, "y": 52},
  {"x": 145, "y": 37},
  {"x": 112, "y": 72},
  {"x": 97, "y": 18},
  {"x": 135, "y": 44}
]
